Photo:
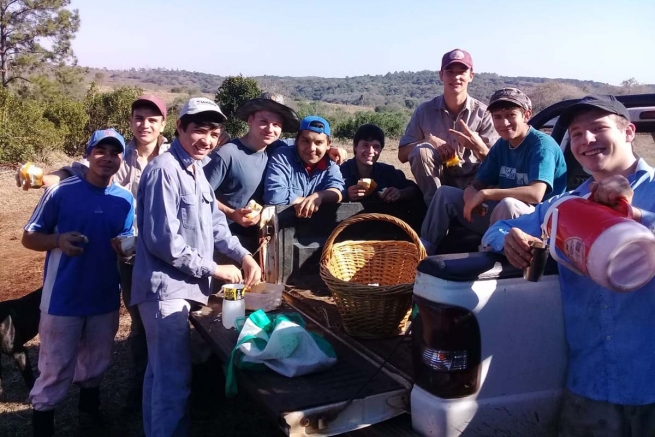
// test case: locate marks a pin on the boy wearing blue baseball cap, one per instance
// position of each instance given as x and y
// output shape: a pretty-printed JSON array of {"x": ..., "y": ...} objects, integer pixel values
[
  {"x": 75, "y": 222},
  {"x": 303, "y": 175}
]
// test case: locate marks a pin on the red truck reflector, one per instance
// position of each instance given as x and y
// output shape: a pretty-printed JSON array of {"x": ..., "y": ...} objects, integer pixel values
[
  {"x": 446, "y": 349},
  {"x": 647, "y": 115}
]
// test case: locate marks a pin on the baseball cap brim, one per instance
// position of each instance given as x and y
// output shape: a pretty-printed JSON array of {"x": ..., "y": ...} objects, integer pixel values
[
  {"x": 108, "y": 139},
  {"x": 154, "y": 101},
  {"x": 290, "y": 120},
  {"x": 458, "y": 61},
  {"x": 609, "y": 106},
  {"x": 511, "y": 100}
]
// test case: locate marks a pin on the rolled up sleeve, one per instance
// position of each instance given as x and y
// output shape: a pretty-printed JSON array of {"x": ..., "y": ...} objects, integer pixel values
[
  {"x": 161, "y": 226},
  {"x": 333, "y": 178}
]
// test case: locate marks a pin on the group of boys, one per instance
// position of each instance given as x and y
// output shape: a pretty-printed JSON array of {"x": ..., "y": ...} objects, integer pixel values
[{"x": 481, "y": 165}]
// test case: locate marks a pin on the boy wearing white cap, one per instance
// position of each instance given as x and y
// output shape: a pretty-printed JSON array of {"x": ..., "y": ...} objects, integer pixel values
[{"x": 179, "y": 227}]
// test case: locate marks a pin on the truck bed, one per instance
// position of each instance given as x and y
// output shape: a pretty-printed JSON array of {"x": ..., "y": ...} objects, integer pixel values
[{"x": 312, "y": 404}]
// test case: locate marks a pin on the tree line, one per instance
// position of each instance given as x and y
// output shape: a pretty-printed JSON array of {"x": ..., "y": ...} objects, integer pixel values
[{"x": 49, "y": 103}]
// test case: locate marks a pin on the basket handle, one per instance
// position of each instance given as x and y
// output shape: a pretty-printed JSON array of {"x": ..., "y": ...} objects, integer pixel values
[{"x": 367, "y": 217}]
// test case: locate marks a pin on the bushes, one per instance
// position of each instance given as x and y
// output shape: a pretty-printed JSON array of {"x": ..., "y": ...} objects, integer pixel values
[
  {"x": 24, "y": 131},
  {"x": 45, "y": 119},
  {"x": 392, "y": 123}
]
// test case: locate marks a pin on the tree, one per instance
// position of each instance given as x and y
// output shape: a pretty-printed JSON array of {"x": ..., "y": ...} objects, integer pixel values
[
  {"x": 234, "y": 91},
  {"x": 34, "y": 33},
  {"x": 547, "y": 93}
]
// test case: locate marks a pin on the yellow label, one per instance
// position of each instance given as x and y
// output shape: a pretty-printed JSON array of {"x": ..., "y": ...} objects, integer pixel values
[{"x": 232, "y": 293}]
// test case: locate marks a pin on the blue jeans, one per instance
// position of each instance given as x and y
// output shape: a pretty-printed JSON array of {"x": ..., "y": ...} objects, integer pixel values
[{"x": 167, "y": 382}]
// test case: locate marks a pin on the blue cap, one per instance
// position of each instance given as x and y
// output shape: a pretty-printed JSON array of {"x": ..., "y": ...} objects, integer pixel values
[
  {"x": 316, "y": 124},
  {"x": 104, "y": 134}
]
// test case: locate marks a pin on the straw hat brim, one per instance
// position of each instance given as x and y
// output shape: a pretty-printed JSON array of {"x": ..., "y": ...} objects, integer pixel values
[{"x": 290, "y": 120}]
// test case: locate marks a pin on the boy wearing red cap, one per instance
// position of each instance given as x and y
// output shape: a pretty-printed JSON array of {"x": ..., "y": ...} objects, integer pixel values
[{"x": 451, "y": 125}]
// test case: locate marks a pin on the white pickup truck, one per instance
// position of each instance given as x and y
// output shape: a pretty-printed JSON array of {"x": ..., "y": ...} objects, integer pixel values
[{"x": 486, "y": 355}]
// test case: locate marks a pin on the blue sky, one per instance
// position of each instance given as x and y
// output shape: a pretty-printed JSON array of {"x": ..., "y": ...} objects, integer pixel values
[{"x": 601, "y": 40}]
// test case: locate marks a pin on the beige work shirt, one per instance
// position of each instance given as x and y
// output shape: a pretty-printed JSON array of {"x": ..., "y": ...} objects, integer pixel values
[{"x": 433, "y": 117}]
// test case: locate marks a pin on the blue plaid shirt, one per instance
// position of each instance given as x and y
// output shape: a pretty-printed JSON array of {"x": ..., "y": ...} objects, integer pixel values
[{"x": 611, "y": 350}]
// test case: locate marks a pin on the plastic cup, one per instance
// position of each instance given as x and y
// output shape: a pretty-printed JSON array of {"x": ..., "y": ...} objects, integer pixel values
[{"x": 535, "y": 270}]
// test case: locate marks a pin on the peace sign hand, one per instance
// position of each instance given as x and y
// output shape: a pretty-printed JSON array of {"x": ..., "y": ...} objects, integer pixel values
[{"x": 468, "y": 138}]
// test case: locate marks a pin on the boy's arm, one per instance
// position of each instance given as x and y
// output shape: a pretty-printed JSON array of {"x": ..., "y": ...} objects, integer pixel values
[
  {"x": 528, "y": 223},
  {"x": 160, "y": 198},
  {"x": 39, "y": 232},
  {"x": 224, "y": 241}
]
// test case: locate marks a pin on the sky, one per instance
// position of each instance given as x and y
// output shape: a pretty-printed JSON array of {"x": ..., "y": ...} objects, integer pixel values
[{"x": 600, "y": 40}]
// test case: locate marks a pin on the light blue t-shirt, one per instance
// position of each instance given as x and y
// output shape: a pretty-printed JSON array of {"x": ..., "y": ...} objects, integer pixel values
[
  {"x": 537, "y": 158},
  {"x": 87, "y": 284}
]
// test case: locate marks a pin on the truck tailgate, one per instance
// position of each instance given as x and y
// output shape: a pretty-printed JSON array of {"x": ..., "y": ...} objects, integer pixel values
[{"x": 313, "y": 404}]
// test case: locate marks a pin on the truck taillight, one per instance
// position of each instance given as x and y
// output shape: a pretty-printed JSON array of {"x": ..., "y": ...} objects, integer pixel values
[
  {"x": 445, "y": 349},
  {"x": 647, "y": 115}
]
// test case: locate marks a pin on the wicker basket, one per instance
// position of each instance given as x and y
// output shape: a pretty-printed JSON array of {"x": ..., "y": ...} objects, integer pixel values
[{"x": 372, "y": 311}]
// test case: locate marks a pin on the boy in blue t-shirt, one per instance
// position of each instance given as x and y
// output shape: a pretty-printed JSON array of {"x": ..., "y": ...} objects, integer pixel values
[
  {"x": 523, "y": 168},
  {"x": 77, "y": 222}
]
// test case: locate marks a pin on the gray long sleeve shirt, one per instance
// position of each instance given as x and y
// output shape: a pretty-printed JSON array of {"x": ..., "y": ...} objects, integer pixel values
[{"x": 179, "y": 226}]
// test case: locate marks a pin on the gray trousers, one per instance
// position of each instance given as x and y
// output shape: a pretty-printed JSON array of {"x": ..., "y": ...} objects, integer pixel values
[
  {"x": 167, "y": 383},
  {"x": 448, "y": 205},
  {"x": 430, "y": 174},
  {"x": 581, "y": 417}
]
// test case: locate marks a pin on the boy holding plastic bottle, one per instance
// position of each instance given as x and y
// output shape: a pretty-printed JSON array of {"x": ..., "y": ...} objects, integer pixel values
[{"x": 609, "y": 387}]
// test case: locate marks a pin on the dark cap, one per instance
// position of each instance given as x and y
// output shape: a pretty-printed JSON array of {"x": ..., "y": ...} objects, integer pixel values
[
  {"x": 605, "y": 102},
  {"x": 153, "y": 100},
  {"x": 457, "y": 56},
  {"x": 271, "y": 102},
  {"x": 511, "y": 95}
]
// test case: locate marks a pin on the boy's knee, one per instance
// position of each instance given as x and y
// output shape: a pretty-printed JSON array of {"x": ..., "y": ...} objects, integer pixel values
[
  {"x": 424, "y": 154},
  {"x": 509, "y": 208}
]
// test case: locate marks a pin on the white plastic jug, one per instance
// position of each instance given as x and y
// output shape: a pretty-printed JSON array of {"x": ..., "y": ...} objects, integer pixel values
[{"x": 234, "y": 305}]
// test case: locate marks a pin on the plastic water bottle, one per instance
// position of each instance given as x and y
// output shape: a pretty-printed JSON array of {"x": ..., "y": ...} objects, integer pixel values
[{"x": 234, "y": 306}]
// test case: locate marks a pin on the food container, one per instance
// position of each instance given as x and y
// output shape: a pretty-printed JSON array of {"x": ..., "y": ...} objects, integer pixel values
[{"x": 264, "y": 296}]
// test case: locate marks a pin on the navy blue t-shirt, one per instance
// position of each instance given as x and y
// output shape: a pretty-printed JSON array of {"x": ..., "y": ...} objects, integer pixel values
[
  {"x": 236, "y": 173},
  {"x": 86, "y": 284}
]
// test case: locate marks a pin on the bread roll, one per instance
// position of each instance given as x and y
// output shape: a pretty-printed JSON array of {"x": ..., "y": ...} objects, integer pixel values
[
  {"x": 255, "y": 207},
  {"x": 368, "y": 184}
]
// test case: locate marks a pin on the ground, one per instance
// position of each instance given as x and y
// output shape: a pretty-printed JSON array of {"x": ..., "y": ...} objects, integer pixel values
[{"x": 22, "y": 271}]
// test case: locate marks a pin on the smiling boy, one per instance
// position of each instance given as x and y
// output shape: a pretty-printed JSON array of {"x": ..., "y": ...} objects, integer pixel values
[
  {"x": 604, "y": 329},
  {"x": 303, "y": 175},
  {"x": 75, "y": 222},
  {"x": 523, "y": 168},
  {"x": 179, "y": 227},
  {"x": 391, "y": 183},
  {"x": 452, "y": 124}
]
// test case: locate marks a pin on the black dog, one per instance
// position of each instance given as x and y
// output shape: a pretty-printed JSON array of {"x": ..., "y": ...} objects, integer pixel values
[{"x": 19, "y": 323}]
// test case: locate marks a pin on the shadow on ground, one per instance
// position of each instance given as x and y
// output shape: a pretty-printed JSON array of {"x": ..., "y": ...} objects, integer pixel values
[{"x": 211, "y": 413}]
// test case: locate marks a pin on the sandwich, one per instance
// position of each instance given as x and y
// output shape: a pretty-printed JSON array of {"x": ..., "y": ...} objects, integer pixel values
[
  {"x": 368, "y": 184},
  {"x": 255, "y": 207}
]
